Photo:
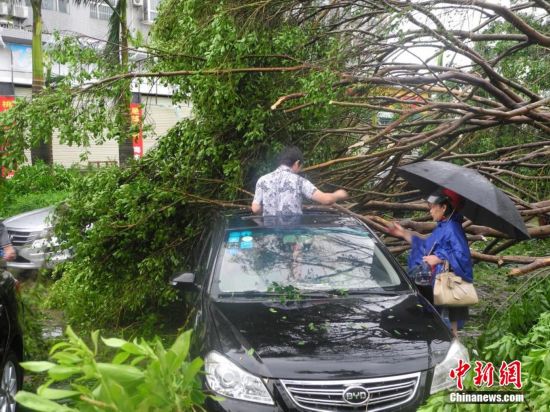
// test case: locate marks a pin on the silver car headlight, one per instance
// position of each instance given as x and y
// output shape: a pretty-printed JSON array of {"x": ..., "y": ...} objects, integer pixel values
[
  {"x": 227, "y": 379},
  {"x": 441, "y": 379},
  {"x": 44, "y": 239}
]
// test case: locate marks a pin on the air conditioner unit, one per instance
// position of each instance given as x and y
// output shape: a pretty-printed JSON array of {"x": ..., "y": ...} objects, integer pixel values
[
  {"x": 21, "y": 12},
  {"x": 137, "y": 3},
  {"x": 4, "y": 9}
]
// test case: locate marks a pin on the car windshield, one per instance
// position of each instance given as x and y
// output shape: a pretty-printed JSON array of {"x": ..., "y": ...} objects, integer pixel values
[{"x": 319, "y": 259}]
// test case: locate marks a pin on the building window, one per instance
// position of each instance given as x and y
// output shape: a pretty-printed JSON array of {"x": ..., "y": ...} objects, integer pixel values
[
  {"x": 100, "y": 11},
  {"x": 62, "y": 6},
  {"x": 150, "y": 10}
]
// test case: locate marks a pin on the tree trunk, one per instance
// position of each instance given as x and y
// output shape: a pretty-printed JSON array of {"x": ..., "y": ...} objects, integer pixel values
[
  {"x": 125, "y": 146},
  {"x": 43, "y": 151}
]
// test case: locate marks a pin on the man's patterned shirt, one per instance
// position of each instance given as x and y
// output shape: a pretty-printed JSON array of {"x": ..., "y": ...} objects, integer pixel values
[{"x": 280, "y": 192}]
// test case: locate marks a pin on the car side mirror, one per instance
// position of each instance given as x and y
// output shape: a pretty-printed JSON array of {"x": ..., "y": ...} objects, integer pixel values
[{"x": 183, "y": 281}]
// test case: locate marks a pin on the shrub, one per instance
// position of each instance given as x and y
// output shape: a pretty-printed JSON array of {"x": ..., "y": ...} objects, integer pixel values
[
  {"x": 34, "y": 187},
  {"x": 142, "y": 376}
]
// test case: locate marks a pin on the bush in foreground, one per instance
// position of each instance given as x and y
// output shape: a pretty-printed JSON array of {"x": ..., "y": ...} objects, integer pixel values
[{"x": 142, "y": 376}]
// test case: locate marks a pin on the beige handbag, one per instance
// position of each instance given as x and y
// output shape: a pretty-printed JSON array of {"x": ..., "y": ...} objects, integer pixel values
[{"x": 452, "y": 290}]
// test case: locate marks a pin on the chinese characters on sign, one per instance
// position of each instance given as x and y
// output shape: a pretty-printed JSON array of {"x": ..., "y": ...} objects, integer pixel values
[
  {"x": 137, "y": 138},
  {"x": 508, "y": 374},
  {"x": 6, "y": 102}
]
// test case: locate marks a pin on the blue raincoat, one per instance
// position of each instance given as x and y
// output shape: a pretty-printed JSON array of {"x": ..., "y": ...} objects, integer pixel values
[{"x": 449, "y": 243}]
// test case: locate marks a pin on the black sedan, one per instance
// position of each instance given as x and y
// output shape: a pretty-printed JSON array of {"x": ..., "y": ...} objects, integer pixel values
[
  {"x": 312, "y": 313},
  {"x": 11, "y": 343}
]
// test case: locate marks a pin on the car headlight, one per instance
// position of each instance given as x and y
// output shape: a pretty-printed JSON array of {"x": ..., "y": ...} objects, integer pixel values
[
  {"x": 45, "y": 243},
  {"x": 227, "y": 379},
  {"x": 40, "y": 243},
  {"x": 441, "y": 379}
]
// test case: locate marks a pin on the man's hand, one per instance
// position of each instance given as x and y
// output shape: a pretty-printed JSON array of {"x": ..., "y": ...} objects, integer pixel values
[
  {"x": 341, "y": 194},
  {"x": 329, "y": 198},
  {"x": 9, "y": 252}
]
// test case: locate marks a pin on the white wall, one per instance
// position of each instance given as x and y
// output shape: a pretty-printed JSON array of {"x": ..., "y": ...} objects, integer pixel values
[{"x": 158, "y": 112}]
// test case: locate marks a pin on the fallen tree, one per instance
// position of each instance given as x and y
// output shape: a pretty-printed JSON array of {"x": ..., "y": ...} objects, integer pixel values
[{"x": 328, "y": 77}]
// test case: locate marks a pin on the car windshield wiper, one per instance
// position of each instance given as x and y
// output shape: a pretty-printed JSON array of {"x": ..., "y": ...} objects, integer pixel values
[
  {"x": 247, "y": 293},
  {"x": 373, "y": 291},
  {"x": 261, "y": 294}
]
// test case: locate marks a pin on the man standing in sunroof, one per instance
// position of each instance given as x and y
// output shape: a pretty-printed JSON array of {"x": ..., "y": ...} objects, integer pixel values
[{"x": 281, "y": 191}]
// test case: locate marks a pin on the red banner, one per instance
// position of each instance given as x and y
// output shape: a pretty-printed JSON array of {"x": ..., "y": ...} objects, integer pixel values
[
  {"x": 6, "y": 102},
  {"x": 137, "y": 138}
]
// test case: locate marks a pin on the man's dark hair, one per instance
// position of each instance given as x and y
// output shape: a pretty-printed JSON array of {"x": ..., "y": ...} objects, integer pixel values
[{"x": 289, "y": 155}]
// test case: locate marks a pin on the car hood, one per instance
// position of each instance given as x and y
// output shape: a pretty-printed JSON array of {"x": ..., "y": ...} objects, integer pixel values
[
  {"x": 33, "y": 221},
  {"x": 333, "y": 338}
]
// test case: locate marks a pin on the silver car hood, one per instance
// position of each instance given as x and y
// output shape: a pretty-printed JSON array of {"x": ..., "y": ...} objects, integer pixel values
[{"x": 33, "y": 221}]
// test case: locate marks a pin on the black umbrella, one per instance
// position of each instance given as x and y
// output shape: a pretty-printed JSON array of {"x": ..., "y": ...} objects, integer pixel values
[{"x": 485, "y": 204}]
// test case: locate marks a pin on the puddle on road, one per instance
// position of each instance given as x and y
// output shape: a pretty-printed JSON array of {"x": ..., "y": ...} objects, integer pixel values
[{"x": 52, "y": 332}]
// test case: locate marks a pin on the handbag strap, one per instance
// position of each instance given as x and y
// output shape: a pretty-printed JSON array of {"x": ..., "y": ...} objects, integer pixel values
[{"x": 432, "y": 248}]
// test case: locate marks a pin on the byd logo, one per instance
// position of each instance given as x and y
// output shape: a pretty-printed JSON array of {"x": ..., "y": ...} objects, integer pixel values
[{"x": 356, "y": 395}]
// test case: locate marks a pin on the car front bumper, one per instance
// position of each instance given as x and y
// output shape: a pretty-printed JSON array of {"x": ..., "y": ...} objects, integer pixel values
[
  {"x": 29, "y": 258},
  {"x": 284, "y": 402}
]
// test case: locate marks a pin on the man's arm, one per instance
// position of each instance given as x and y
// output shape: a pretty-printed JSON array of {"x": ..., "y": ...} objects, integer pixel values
[
  {"x": 329, "y": 198},
  {"x": 256, "y": 208},
  {"x": 258, "y": 197}
]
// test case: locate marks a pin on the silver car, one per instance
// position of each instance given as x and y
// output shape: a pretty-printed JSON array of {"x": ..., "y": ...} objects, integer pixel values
[{"x": 31, "y": 236}]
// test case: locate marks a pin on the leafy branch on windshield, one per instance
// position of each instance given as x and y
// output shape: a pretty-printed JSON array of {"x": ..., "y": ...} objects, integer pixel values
[{"x": 285, "y": 293}]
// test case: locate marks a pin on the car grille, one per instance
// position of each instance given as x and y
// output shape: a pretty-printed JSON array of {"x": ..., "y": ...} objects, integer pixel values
[
  {"x": 21, "y": 238},
  {"x": 384, "y": 393}
]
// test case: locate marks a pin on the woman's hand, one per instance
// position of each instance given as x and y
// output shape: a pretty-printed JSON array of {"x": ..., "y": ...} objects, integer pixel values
[
  {"x": 398, "y": 231},
  {"x": 432, "y": 260}
]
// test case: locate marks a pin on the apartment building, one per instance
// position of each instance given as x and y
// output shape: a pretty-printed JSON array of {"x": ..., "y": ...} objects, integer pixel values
[{"x": 152, "y": 103}]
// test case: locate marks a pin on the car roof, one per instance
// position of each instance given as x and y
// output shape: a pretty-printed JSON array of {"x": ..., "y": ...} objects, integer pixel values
[{"x": 247, "y": 220}]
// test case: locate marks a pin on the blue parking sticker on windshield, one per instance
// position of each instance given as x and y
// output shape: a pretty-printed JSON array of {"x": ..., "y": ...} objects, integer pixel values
[{"x": 247, "y": 245}]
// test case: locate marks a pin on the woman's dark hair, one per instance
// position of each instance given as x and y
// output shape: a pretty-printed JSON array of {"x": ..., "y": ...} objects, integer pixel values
[
  {"x": 289, "y": 155},
  {"x": 439, "y": 198}
]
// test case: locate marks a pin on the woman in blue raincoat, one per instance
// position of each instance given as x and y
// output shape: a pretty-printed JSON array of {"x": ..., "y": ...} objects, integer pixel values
[{"x": 447, "y": 243}]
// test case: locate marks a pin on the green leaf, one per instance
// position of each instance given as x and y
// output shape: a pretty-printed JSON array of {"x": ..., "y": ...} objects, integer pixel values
[
  {"x": 59, "y": 345},
  {"x": 37, "y": 366},
  {"x": 193, "y": 368},
  {"x": 122, "y": 374},
  {"x": 114, "y": 342},
  {"x": 117, "y": 395},
  {"x": 59, "y": 372},
  {"x": 95, "y": 336},
  {"x": 120, "y": 357},
  {"x": 66, "y": 358},
  {"x": 181, "y": 346},
  {"x": 38, "y": 403},
  {"x": 133, "y": 349},
  {"x": 137, "y": 360},
  {"x": 54, "y": 394}
]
